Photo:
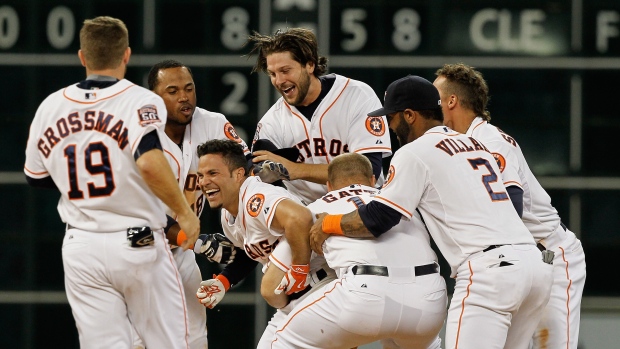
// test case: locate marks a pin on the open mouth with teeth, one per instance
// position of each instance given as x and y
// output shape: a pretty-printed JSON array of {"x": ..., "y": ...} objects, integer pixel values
[
  {"x": 288, "y": 91},
  {"x": 211, "y": 193},
  {"x": 187, "y": 111}
]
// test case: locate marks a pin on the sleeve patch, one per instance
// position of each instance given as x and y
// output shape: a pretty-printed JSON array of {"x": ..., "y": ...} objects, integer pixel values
[
  {"x": 375, "y": 125},
  {"x": 255, "y": 204},
  {"x": 256, "y": 134},
  {"x": 230, "y": 133},
  {"x": 501, "y": 161},
  {"x": 148, "y": 115},
  {"x": 389, "y": 176}
]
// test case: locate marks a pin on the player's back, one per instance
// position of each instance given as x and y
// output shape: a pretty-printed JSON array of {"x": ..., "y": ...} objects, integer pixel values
[
  {"x": 539, "y": 216},
  {"x": 85, "y": 140},
  {"x": 406, "y": 244}
]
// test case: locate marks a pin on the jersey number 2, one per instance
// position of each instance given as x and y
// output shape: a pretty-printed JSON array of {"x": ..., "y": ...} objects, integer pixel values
[
  {"x": 488, "y": 178},
  {"x": 104, "y": 168}
]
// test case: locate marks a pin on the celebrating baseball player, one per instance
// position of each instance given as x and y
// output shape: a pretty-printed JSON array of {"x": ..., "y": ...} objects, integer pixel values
[
  {"x": 388, "y": 289},
  {"x": 99, "y": 143},
  {"x": 464, "y": 96},
  {"x": 321, "y": 115},
  {"x": 255, "y": 216},
  {"x": 186, "y": 127},
  {"x": 503, "y": 281}
]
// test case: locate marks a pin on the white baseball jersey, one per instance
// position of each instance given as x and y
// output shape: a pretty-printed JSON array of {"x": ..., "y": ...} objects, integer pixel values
[
  {"x": 454, "y": 181},
  {"x": 560, "y": 325},
  {"x": 251, "y": 229},
  {"x": 339, "y": 125},
  {"x": 358, "y": 309},
  {"x": 406, "y": 244},
  {"x": 205, "y": 126},
  {"x": 85, "y": 140}
]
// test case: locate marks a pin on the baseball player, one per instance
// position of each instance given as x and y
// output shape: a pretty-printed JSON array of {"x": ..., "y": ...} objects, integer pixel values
[
  {"x": 464, "y": 95},
  {"x": 502, "y": 280},
  {"x": 388, "y": 288},
  {"x": 186, "y": 127},
  {"x": 99, "y": 143},
  {"x": 255, "y": 216},
  {"x": 321, "y": 115}
]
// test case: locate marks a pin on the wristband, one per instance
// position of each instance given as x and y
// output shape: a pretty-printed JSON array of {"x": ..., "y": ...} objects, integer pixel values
[
  {"x": 224, "y": 280},
  {"x": 331, "y": 224},
  {"x": 181, "y": 237}
]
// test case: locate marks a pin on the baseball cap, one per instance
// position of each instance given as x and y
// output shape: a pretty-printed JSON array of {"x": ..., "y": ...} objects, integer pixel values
[{"x": 411, "y": 92}]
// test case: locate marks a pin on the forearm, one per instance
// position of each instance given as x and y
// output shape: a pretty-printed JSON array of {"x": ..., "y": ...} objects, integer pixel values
[
  {"x": 353, "y": 226},
  {"x": 316, "y": 173}
]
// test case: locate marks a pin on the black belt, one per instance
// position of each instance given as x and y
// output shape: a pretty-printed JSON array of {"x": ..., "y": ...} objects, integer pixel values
[
  {"x": 383, "y": 271},
  {"x": 320, "y": 274},
  {"x": 540, "y": 246}
]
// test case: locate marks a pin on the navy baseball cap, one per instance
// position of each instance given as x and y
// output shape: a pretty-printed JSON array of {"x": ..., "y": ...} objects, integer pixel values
[{"x": 411, "y": 92}]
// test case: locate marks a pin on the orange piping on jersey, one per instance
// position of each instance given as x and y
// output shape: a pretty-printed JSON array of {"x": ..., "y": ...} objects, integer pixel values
[
  {"x": 393, "y": 204},
  {"x": 458, "y": 331},
  {"x": 372, "y": 148},
  {"x": 243, "y": 204},
  {"x": 325, "y": 112},
  {"x": 444, "y": 134},
  {"x": 480, "y": 123},
  {"x": 301, "y": 119},
  {"x": 509, "y": 183},
  {"x": 35, "y": 173},
  {"x": 178, "y": 165},
  {"x": 273, "y": 209},
  {"x": 276, "y": 261},
  {"x": 570, "y": 282},
  {"x": 176, "y": 273},
  {"x": 302, "y": 309},
  {"x": 97, "y": 101}
]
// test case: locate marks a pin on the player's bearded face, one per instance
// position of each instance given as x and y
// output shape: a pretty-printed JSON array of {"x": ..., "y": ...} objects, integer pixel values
[
  {"x": 176, "y": 87},
  {"x": 400, "y": 127},
  {"x": 303, "y": 85}
]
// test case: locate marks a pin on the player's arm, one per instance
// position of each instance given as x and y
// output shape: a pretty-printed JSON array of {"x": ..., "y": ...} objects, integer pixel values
[
  {"x": 46, "y": 182},
  {"x": 516, "y": 197},
  {"x": 316, "y": 173},
  {"x": 156, "y": 172},
  {"x": 376, "y": 160},
  {"x": 371, "y": 220},
  {"x": 271, "y": 280},
  {"x": 295, "y": 220}
]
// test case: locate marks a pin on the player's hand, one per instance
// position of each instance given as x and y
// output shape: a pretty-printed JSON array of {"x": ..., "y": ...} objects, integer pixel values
[
  {"x": 211, "y": 292},
  {"x": 190, "y": 224},
  {"x": 216, "y": 247},
  {"x": 264, "y": 155},
  {"x": 295, "y": 279},
  {"x": 317, "y": 236},
  {"x": 270, "y": 171}
]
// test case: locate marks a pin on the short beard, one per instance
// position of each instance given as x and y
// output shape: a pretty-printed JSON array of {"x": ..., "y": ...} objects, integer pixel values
[
  {"x": 402, "y": 131},
  {"x": 303, "y": 86}
]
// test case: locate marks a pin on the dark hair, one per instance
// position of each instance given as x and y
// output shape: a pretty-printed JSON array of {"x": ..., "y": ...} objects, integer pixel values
[
  {"x": 301, "y": 43},
  {"x": 231, "y": 151},
  {"x": 469, "y": 85},
  {"x": 432, "y": 114},
  {"x": 169, "y": 63},
  {"x": 103, "y": 41}
]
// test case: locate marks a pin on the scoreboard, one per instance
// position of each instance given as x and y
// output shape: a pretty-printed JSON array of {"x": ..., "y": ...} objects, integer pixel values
[{"x": 552, "y": 67}]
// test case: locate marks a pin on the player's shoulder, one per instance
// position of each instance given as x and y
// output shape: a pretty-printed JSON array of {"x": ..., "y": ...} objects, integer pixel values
[
  {"x": 277, "y": 110},
  {"x": 206, "y": 116},
  {"x": 354, "y": 85}
]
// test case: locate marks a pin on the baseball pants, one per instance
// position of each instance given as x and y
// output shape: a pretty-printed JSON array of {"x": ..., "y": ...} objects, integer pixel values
[
  {"x": 112, "y": 286},
  {"x": 559, "y": 327},
  {"x": 498, "y": 300},
  {"x": 360, "y": 309}
]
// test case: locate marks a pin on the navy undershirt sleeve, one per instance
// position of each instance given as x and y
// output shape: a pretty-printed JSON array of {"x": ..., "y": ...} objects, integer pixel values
[
  {"x": 240, "y": 267},
  {"x": 148, "y": 142},
  {"x": 46, "y": 182},
  {"x": 378, "y": 218},
  {"x": 516, "y": 196},
  {"x": 376, "y": 159}
]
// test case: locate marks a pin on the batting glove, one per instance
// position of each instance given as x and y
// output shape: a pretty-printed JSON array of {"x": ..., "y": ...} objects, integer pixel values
[
  {"x": 270, "y": 171},
  {"x": 295, "y": 279},
  {"x": 212, "y": 291},
  {"x": 216, "y": 247}
]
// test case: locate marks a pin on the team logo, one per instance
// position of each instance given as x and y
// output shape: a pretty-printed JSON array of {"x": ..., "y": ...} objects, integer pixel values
[
  {"x": 256, "y": 135},
  {"x": 501, "y": 161},
  {"x": 230, "y": 133},
  {"x": 148, "y": 115},
  {"x": 255, "y": 204},
  {"x": 375, "y": 125},
  {"x": 389, "y": 176}
]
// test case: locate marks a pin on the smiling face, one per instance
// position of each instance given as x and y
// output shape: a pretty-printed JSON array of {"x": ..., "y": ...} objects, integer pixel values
[
  {"x": 290, "y": 78},
  {"x": 400, "y": 127},
  {"x": 176, "y": 87},
  {"x": 218, "y": 183}
]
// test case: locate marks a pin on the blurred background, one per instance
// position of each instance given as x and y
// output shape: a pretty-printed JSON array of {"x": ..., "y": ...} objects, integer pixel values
[{"x": 552, "y": 67}]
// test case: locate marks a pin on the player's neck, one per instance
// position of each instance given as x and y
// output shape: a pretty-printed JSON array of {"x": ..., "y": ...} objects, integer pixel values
[
  {"x": 118, "y": 73},
  {"x": 175, "y": 132},
  {"x": 463, "y": 122},
  {"x": 313, "y": 92}
]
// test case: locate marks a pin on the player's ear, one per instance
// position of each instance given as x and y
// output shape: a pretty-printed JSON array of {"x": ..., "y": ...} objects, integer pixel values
[
  {"x": 126, "y": 55},
  {"x": 81, "y": 56},
  {"x": 310, "y": 67},
  {"x": 329, "y": 186},
  {"x": 373, "y": 181},
  {"x": 452, "y": 101}
]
